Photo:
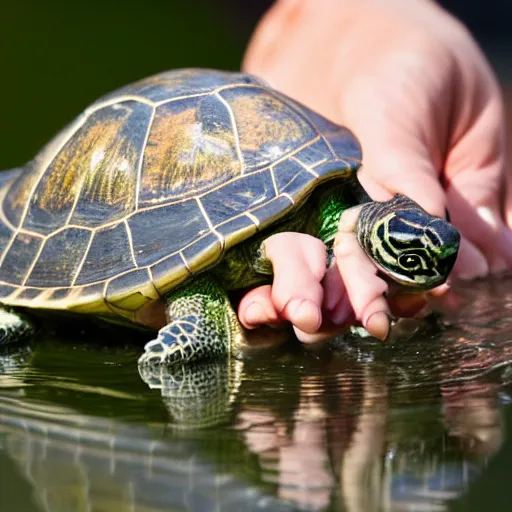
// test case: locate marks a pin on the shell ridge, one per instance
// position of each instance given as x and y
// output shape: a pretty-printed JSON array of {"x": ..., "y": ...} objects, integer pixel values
[
  {"x": 182, "y": 97},
  {"x": 95, "y": 107},
  {"x": 84, "y": 258},
  {"x": 3, "y": 216},
  {"x": 307, "y": 167},
  {"x": 34, "y": 263},
  {"x": 211, "y": 226},
  {"x": 130, "y": 242},
  {"x": 235, "y": 132},
  {"x": 152, "y": 280},
  {"x": 140, "y": 163},
  {"x": 274, "y": 183}
]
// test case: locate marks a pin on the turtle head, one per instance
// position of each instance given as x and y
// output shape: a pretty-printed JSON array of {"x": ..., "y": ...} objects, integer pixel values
[{"x": 411, "y": 246}]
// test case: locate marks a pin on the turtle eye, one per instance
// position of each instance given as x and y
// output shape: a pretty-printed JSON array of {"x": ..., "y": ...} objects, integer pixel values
[{"x": 410, "y": 261}]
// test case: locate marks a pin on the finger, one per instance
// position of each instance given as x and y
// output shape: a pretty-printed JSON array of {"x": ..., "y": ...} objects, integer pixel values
[
  {"x": 482, "y": 227},
  {"x": 507, "y": 199},
  {"x": 440, "y": 290},
  {"x": 298, "y": 263},
  {"x": 399, "y": 129},
  {"x": 257, "y": 309},
  {"x": 337, "y": 311},
  {"x": 328, "y": 329},
  {"x": 324, "y": 334},
  {"x": 364, "y": 288},
  {"x": 475, "y": 162},
  {"x": 336, "y": 304},
  {"x": 471, "y": 263}
]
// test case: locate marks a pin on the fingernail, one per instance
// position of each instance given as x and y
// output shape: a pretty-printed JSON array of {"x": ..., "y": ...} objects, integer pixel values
[
  {"x": 254, "y": 314},
  {"x": 302, "y": 312},
  {"x": 378, "y": 325}
]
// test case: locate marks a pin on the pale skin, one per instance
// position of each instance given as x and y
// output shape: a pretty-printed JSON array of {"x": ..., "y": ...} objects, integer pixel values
[{"x": 412, "y": 84}]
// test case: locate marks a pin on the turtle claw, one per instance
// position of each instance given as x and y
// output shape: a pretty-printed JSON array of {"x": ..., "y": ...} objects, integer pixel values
[{"x": 154, "y": 353}]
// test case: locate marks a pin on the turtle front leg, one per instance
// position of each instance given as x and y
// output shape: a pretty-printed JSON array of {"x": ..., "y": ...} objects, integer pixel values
[
  {"x": 203, "y": 326},
  {"x": 13, "y": 327}
]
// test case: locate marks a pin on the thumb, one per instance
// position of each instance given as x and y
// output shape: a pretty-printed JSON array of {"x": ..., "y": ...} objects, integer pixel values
[
  {"x": 405, "y": 171},
  {"x": 400, "y": 139},
  {"x": 475, "y": 165},
  {"x": 403, "y": 154},
  {"x": 508, "y": 163}
]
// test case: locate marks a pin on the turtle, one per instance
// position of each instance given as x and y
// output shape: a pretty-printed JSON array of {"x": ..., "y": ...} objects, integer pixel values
[{"x": 164, "y": 191}]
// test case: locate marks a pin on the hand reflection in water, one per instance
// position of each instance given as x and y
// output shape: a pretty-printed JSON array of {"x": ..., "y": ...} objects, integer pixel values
[
  {"x": 351, "y": 438},
  {"x": 296, "y": 459}
]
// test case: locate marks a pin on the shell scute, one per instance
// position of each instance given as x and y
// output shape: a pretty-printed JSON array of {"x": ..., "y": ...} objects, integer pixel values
[
  {"x": 203, "y": 252},
  {"x": 60, "y": 258},
  {"x": 60, "y": 294},
  {"x": 293, "y": 179},
  {"x": 169, "y": 273},
  {"x": 238, "y": 228},
  {"x": 268, "y": 129},
  {"x": 335, "y": 169},
  {"x": 131, "y": 291},
  {"x": 6, "y": 291},
  {"x": 238, "y": 196},
  {"x": 314, "y": 154},
  {"x": 30, "y": 294},
  {"x": 191, "y": 148},
  {"x": 92, "y": 179},
  {"x": 19, "y": 257},
  {"x": 272, "y": 210},
  {"x": 109, "y": 254},
  {"x": 108, "y": 189},
  {"x": 87, "y": 299},
  {"x": 167, "y": 229}
]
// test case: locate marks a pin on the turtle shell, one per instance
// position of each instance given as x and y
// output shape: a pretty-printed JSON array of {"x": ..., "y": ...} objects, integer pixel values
[{"x": 153, "y": 183}]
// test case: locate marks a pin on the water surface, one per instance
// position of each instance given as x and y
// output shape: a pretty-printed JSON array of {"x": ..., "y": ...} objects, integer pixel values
[{"x": 421, "y": 423}]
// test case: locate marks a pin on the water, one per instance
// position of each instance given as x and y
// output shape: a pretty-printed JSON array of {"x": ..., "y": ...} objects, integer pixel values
[{"x": 422, "y": 423}]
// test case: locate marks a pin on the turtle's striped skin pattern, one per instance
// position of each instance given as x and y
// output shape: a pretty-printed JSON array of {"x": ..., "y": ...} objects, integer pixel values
[
  {"x": 154, "y": 183},
  {"x": 165, "y": 190},
  {"x": 415, "y": 248}
]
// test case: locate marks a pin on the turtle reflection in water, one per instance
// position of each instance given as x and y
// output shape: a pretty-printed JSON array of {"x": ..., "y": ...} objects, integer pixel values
[{"x": 165, "y": 190}]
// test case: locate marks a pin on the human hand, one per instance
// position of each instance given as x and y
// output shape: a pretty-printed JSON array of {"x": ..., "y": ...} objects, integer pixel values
[{"x": 410, "y": 81}]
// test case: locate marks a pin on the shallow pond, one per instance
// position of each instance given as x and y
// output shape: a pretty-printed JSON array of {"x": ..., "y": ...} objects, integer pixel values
[{"x": 421, "y": 423}]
